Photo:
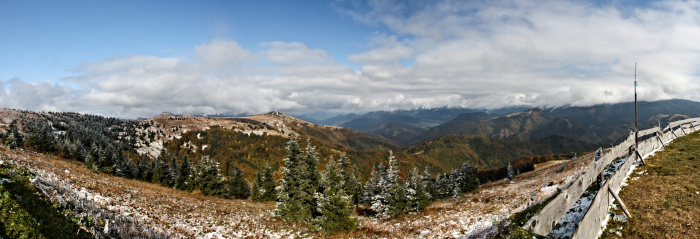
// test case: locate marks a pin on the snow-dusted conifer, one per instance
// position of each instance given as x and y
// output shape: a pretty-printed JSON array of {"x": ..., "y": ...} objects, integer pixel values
[
  {"x": 396, "y": 191},
  {"x": 416, "y": 193},
  {"x": 468, "y": 180},
  {"x": 334, "y": 206},
  {"x": 263, "y": 188},
  {"x": 209, "y": 179},
  {"x": 353, "y": 186},
  {"x": 429, "y": 184},
  {"x": 511, "y": 174},
  {"x": 312, "y": 181},
  {"x": 293, "y": 199},
  {"x": 454, "y": 183},
  {"x": 371, "y": 187},
  {"x": 442, "y": 185}
]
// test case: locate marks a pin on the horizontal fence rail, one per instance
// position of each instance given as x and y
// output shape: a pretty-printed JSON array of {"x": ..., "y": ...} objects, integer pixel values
[{"x": 543, "y": 222}]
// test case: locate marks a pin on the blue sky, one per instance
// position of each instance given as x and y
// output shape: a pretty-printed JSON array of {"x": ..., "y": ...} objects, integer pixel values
[
  {"x": 140, "y": 58},
  {"x": 46, "y": 39}
]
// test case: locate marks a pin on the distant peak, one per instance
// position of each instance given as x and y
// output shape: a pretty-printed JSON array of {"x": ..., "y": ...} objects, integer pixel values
[{"x": 277, "y": 113}]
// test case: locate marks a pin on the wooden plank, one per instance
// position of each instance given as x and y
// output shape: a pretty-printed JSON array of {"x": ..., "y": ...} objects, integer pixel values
[
  {"x": 648, "y": 131},
  {"x": 591, "y": 223},
  {"x": 588, "y": 227},
  {"x": 543, "y": 222},
  {"x": 548, "y": 217},
  {"x": 622, "y": 204}
]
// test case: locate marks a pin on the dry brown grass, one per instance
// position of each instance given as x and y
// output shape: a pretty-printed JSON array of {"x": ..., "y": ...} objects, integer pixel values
[{"x": 664, "y": 195}]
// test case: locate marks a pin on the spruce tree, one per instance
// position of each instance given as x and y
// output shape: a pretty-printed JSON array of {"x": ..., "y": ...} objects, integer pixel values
[
  {"x": 311, "y": 184},
  {"x": 144, "y": 166},
  {"x": 40, "y": 136},
  {"x": 442, "y": 186},
  {"x": 429, "y": 184},
  {"x": 237, "y": 186},
  {"x": 334, "y": 206},
  {"x": 395, "y": 191},
  {"x": 209, "y": 180},
  {"x": 335, "y": 211},
  {"x": 511, "y": 174},
  {"x": 353, "y": 186},
  {"x": 416, "y": 193},
  {"x": 13, "y": 138},
  {"x": 454, "y": 182},
  {"x": 173, "y": 170},
  {"x": 468, "y": 177},
  {"x": 295, "y": 203},
  {"x": 372, "y": 186},
  {"x": 161, "y": 171},
  {"x": 183, "y": 181},
  {"x": 389, "y": 199},
  {"x": 264, "y": 185}
]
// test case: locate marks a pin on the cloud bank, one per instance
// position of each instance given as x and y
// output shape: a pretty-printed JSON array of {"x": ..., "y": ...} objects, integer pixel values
[{"x": 447, "y": 53}]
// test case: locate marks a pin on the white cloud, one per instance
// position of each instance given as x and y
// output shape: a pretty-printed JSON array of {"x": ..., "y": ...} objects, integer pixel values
[
  {"x": 537, "y": 53},
  {"x": 443, "y": 53}
]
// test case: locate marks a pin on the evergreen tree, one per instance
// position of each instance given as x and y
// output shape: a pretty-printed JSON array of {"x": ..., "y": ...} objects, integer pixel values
[
  {"x": 13, "y": 138},
  {"x": 93, "y": 158},
  {"x": 144, "y": 166},
  {"x": 454, "y": 183},
  {"x": 511, "y": 174},
  {"x": 295, "y": 203},
  {"x": 416, "y": 193},
  {"x": 442, "y": 186},
  {"x": 264, "y": 185},
  {"x": 132, "y": 170},
  {"x": 372, "y": 186},
  {"x": 237, "y": 186},
  {"x": 40, "y": 136},
  {"x": 353, "y": 186},
  {"x": 429, "y": 184},
  {"x": 335, "y": 211},
  {"x": 161, "y": 171},
  {"x": 468, "y": 180},
  {"x": 183, "y": 180},
  {"x": 395, "y": 190},
  {"x": 312, "y": 179},
  {"x": 173, "y": 170},
  {"x": 389, "y": 193},
  {"x": 209, "y": 180},
  {"x": 334, "y": 206}
]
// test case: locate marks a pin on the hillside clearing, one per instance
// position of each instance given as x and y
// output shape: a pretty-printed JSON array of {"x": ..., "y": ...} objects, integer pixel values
[{"x": 663, "y": 196}]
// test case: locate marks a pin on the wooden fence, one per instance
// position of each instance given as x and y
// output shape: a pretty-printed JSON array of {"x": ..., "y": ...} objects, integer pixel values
[{"x": 543, "y": 222}]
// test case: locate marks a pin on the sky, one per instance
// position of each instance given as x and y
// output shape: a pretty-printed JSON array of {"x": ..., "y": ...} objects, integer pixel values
[{"x": 132, "y": 59}]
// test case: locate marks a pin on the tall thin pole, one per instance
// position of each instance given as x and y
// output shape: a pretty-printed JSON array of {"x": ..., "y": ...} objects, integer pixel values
[{"x": 636, "y": 127}]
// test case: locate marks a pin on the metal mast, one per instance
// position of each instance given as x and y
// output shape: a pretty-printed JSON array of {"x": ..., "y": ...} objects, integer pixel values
[{"x": 636, "y": 127}]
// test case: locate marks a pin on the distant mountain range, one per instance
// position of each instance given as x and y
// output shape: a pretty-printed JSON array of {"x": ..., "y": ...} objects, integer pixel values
[
  {"x": 439, "y": 139},
  {"x": 594, "y": 124}
]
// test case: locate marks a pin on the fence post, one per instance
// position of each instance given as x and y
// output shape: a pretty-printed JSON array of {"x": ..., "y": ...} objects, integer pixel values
[
  {"x": 619, "y": 201},
  {"x": 660, "y": 140}
]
